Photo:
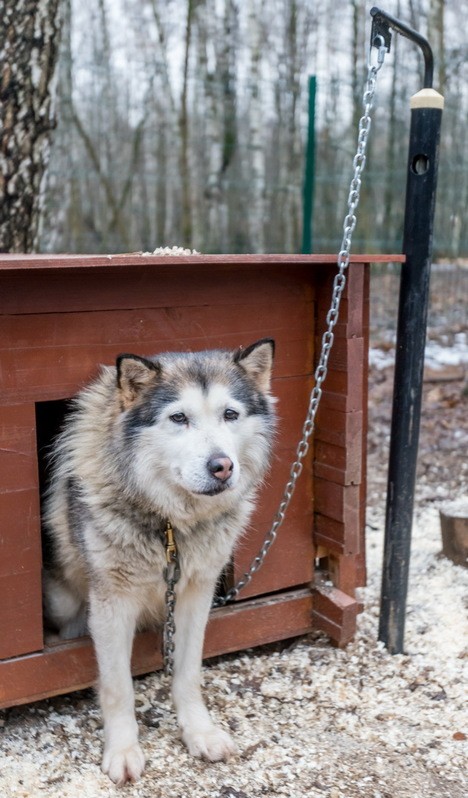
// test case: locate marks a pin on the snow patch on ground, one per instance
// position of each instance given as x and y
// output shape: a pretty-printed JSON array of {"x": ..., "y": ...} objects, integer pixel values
[{"x": 438, "y": 354}]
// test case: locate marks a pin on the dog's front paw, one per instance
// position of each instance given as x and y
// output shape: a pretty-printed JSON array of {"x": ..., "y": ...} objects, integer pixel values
[
  {"x": 213, "y": 744},
  {"x": 122, "y": 765}
]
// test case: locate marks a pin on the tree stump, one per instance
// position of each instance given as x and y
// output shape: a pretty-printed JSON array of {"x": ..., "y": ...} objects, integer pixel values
[{"x": 454, "y": 527}]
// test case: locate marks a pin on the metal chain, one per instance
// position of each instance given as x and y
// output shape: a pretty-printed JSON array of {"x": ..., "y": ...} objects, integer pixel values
[
  {"x": 171, "y": 577},
  {"x": 339, "y": 283},
  {"x": 172, "y": 571}
]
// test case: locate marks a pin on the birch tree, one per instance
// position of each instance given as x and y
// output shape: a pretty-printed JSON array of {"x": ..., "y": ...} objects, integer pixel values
[
  {"x": 184, "y": 131},
  {"x": 256, "y": 216},
  {"x": 30, "y": 33}
]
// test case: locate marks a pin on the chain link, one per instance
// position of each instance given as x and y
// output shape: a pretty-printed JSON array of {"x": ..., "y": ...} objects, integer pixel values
[
  {"x": 320, "y": 374},
  {"x": 172, "y": 572},
  {"x": 171, "y": 577},
  {"x": 169, "y": 625}
]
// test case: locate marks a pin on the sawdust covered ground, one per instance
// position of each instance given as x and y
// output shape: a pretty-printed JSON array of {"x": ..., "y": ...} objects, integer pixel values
[{"x": 309, "y": 719}]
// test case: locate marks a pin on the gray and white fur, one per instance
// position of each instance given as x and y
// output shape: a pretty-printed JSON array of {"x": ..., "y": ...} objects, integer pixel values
[{"x": 180, "y": 437}]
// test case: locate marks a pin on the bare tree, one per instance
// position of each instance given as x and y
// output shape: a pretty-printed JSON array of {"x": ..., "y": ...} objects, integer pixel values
[
  {"x": 186, "y": 208},
  {"x": 256, "y": 216},
  {"x": 30, "y": 32},
  {"x": 436, "y": 25}
]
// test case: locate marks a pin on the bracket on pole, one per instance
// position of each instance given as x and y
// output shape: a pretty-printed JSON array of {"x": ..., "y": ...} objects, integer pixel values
[{"x": 381, "y": 25}]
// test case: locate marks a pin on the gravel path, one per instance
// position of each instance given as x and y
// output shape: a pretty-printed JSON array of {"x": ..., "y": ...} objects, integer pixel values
[{"x": 309, "y": 719}]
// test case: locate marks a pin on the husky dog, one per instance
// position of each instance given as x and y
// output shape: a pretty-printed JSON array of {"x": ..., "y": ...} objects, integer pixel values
[{"x": 179, "y": 437}]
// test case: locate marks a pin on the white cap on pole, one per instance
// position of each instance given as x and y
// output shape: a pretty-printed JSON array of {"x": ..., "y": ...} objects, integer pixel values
[{"x": 427, "y": 98}]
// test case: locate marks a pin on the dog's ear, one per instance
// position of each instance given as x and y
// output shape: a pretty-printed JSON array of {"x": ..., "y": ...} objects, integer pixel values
[
  {"x": 134, "y": 375},
  {"x": 257, "y": 362}
]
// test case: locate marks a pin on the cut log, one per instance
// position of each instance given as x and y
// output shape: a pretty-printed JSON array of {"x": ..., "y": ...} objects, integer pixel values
[{"x": 454, "y": 526}]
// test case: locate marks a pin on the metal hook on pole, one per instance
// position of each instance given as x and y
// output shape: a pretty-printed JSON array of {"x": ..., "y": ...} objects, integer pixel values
[{"x": 382, "y": 22}]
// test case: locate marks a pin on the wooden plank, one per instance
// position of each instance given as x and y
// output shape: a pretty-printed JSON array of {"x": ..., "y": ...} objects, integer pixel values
[
  {"x": 345, "y": 355},
  {"x": 71, "y": 666},
  {"x": 361, "y": 556},
  {"x": 205, "y": 327},
  {"x": 20, "y": 549},
  {"x": 351, "y": 316},
  {"x": 341, "y": 394},
  {"x": 21, "y": 613},
  {"x": 339, "y": 428},
  {"x": 162, "y": 285},
  {"x": 22, "y": 262},
  {"x": 344, "y": 572},
  {"x": 290, "y": 560},
  {"x": 18, "y": 465},
  {"x": 331, "y": 534},
  {"x": 338, "y": 448},
  {"x": 340, "y": 504},
  {"x": 58, "y": 372},
  {"x": 336, "y": 536},
  {"x": 337, "y": 502},
  {"x": 342, "y": 464},
  {"x": 19, "y": 503},
  {"x": 20, "y": 542},
  {"x": 271, "y": 492},
  {"x": 152, "y": 283},
  {"x": 335, "y": 614}
]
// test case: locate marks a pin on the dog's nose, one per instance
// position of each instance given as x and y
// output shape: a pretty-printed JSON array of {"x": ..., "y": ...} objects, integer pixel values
[{"x": 220, "y": 466}]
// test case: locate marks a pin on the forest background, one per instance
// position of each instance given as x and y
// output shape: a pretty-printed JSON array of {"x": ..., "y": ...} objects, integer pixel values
[{"x": 184, "y": 122}]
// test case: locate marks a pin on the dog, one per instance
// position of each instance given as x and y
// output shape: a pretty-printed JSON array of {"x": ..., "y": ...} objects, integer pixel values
[{"x": 184, "y": 438}]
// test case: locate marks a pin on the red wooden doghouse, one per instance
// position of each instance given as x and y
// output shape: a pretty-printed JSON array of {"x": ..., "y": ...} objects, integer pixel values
[{"x": 61, "y": 316}]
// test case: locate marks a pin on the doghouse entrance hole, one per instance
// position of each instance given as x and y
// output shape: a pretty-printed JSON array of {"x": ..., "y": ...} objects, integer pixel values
[{"x": 49, "y": 421}]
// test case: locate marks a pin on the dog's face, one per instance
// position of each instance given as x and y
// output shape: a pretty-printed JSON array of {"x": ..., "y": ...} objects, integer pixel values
[{"x": 197, "y": 423}]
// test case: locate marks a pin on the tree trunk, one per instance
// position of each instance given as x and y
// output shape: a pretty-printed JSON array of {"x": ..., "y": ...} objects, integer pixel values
[
  {"x": 30, "y": 31},
  {"x": 256, "y": 214},
  {"x": 186, "y": 206},
  {"x": 436, "y": 34}
]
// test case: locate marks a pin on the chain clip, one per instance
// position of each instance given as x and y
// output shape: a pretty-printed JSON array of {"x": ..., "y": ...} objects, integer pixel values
[{"x": 172, "y": 570}]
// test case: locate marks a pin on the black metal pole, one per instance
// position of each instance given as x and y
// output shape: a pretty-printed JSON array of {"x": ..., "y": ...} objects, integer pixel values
[
  {"x": 421, "y": 184},
  {"x": 426, "y": 117}
]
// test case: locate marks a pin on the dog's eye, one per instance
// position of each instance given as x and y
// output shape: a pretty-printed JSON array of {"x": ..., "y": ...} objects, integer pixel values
[
  {"x": 230, "y": 415},
  {"x": 179, "y": 418}
]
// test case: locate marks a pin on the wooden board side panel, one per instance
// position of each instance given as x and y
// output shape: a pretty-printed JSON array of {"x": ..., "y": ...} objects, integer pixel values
[
  {"x": 339, "y": 468},
  {"x": 20, "y": 614},
  {"x": 144, "y": 286},
  {"x": 52, "y": 357},
  {"x": 361, "y": 559},
  {"x": 20, "y": 541}
]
